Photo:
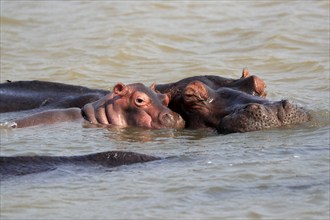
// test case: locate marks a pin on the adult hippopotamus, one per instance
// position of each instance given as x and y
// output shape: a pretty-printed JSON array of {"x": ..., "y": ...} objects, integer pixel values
[
  {"x": 229, "y": 110},
  {"x": 127, "y": 105},
  {"x": 22, "y": 165}
]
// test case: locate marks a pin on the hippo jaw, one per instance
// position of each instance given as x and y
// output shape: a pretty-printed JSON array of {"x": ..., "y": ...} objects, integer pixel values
[{"x": 253, "y": 117}]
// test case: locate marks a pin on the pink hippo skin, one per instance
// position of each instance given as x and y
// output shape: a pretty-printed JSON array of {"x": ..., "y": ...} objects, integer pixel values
[
  {"x": 127, "y": 105},
  {"x": 133, "y": 105}
]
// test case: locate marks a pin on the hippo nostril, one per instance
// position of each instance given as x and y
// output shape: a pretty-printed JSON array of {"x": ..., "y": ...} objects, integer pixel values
[
  {"x": 286, "y": 104},
  {"x": 167, "y": 118},
  {"x": 252, "y": 107},
  {"x": 172, "y": 120}
]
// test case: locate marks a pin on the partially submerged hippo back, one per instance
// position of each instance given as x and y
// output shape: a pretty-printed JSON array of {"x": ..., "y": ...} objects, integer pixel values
[
  {"x": 23, "y": 165},
  {"x": 42, "y": 95},
  {"x": 229, "y": 110},
  {"x": 133, "y": 105}
]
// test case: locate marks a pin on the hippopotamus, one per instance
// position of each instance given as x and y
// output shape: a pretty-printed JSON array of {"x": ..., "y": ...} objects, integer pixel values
[
  {"x": 134, "y": 105},
  {"x": 249, "y": 84},
  {"x": 22, "y": 165},
  {"x": 229, "y": 110},
  {"x": 128, "y": 105}
]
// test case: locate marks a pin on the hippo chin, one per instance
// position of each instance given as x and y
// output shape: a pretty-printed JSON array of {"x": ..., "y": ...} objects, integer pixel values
[{"x": 228, "y": 110}]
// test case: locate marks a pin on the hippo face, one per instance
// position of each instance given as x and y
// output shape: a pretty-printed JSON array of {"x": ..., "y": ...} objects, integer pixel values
[
  {"x": 229, "y": 110},
  {"x": 133, "y": 105}
]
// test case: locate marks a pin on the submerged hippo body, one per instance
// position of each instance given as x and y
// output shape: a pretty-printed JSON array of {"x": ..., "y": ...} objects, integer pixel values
[
  {"x": 41, "y": 95},
  {"x": 229, "y": 110},
  {"x": 131, "y": 105},
  {"x": 23, "y": 165}
]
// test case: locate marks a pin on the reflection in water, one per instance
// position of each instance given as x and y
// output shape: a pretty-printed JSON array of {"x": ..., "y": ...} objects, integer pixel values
[{"x": 134, "y": 134}]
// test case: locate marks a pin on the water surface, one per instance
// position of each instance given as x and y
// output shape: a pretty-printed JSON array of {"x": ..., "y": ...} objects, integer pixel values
[{"x": 273, "y": 174}]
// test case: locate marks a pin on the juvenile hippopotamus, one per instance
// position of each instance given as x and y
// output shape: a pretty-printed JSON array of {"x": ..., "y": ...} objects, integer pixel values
[
  {"x": 134, "y": 105},
  {"x": 229, "y": 110},
  {"x": 127, "y": 105},
  {"x": 23, "y": 165}
]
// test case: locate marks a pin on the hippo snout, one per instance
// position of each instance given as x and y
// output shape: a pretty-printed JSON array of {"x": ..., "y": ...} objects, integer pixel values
[
  {"x": 289, "y": 113},
  {"x": 256, "y": 116},
  {"x": 171, "y": 120}
]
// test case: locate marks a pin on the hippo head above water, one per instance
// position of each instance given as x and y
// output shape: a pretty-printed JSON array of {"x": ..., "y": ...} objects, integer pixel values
[
  {"x": 133, "y": 105},
  {"x": 249, "y": 84},
  {"x": 229, "y": 110}
]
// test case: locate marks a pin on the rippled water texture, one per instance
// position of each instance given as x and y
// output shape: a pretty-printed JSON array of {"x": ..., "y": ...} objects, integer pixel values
[{"x": 272, "y": 174}]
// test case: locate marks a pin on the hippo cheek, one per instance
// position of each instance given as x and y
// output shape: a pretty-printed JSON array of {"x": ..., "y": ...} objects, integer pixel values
[
  {"x": 144, "y": 121},
  {"x": 136, "y": 117}
]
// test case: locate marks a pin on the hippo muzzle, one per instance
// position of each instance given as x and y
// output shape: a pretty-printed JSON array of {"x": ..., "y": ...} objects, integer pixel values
[
  {"x": 170, "y": 120},
  {"x": 254, "y": 116}
]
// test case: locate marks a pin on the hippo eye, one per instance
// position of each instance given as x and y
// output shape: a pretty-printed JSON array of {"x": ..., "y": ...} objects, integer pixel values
[{"x": 139, "y": 101}]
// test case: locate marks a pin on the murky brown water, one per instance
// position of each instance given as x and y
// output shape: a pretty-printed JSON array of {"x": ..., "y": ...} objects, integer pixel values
[{"x": 272, "y": 174}]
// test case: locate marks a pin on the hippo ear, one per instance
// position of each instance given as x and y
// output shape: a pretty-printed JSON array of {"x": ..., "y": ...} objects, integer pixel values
[
  {"x": 245, "y": 73},
  {"x": 195, "y": 92},
  {"x": 153, "y": 87},
  {"x": 165, "y": 98},
  {"x": 120, "y": 89}
]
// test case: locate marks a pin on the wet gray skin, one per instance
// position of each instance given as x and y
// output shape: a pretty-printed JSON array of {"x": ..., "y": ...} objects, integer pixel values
[
  {"x": 228, "y": 110},
  {"x": 252, "y": 117}
]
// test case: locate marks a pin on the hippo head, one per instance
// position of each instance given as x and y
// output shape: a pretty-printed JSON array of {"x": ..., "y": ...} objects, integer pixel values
[
  {"x": 229, "y": 110},
  {"x": 133, "y": 105},
  {"x": 250, "y": 84}
]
